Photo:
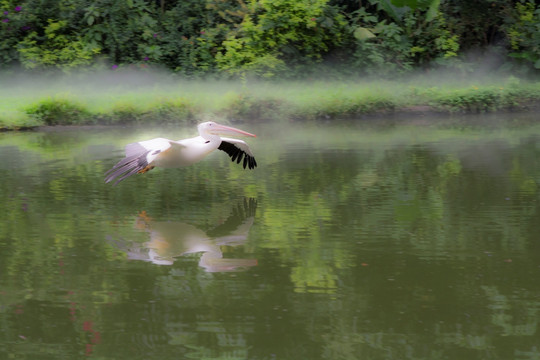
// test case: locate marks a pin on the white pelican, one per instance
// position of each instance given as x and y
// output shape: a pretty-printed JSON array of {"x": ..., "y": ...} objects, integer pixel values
[{"x": 143, "y": 156}]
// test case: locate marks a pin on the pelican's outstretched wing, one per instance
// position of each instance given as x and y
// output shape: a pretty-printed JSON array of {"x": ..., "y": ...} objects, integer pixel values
[
  {"x": 238, "y": 149},
  {"x": 139, "y": 158}
]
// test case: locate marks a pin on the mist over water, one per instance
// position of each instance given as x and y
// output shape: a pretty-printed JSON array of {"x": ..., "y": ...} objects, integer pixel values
[{"x": 481, "y": 71}]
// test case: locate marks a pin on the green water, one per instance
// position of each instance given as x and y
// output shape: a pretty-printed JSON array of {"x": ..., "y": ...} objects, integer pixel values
[{"x": 348, "y": 241}]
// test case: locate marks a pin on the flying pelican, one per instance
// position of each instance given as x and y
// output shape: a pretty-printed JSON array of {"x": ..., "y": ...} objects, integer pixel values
[{"x": 143, "y": 156}]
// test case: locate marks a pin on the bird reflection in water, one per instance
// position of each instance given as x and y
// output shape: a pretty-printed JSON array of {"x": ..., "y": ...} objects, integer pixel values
[{"x": 169, "y": 240}]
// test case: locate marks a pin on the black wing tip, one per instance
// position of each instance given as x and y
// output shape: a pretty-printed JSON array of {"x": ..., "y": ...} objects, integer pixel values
[
  {"x": 249, "y": 162},
  {"x": 237, "y": 155}
]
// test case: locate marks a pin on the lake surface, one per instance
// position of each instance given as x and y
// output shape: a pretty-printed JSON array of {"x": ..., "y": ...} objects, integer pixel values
[{"x": 349, "y": 241}]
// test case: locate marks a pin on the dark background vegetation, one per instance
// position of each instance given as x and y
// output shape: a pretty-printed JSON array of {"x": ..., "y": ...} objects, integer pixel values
[{"x": 263, "y": 38}]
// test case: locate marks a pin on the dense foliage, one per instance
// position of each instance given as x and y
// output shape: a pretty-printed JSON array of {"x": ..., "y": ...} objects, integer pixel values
[{"x": 269, "y": 37}]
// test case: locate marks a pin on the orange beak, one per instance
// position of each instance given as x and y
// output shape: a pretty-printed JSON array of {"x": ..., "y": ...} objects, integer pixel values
[{"x": 227, "y": 130}]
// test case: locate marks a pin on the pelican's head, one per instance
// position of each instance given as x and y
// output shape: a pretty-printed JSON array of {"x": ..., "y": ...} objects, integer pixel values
[{"x": 213, "y": 128}]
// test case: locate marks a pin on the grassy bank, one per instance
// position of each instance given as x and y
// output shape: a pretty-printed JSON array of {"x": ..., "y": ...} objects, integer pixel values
[{"x": 26, "y": 103}]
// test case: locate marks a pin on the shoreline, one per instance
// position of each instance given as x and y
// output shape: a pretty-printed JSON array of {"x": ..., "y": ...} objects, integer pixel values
[{"x": 419, "y": 115}]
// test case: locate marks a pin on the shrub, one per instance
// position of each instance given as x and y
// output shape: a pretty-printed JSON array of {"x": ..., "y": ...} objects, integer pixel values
[
  {"x": 57, "y": 50},
  {"x": 58, "y": 111},
  {"x": 485, "y": 99},
  {"x": 524, "y": 34},
  {"x": 125, "y": 112},
  {"x": 401, "y": 38},
  {"x": 16, "y": 120},
  {"x": 126, "y": 30},
  {"x": 173, "y": 111},
  {"x": 276, "y": 35}
]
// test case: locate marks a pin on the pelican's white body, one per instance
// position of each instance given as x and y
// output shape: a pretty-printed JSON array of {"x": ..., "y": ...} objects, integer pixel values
[
  {"x": 170, "y": 154},
  {"x": 160, "y": 152}
]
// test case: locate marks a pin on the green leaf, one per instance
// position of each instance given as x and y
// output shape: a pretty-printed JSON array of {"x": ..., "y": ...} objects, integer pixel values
[
  {"x": 363, "y": 34},
  {"x": 433, "y": 10},
  {"x": 401, "y": 3},
  {"x": 395, "y": 8},
  {"x": 396, "y": 12},
  {"x": 416, "y": 4},
  {"x": 90, "y": 20}
]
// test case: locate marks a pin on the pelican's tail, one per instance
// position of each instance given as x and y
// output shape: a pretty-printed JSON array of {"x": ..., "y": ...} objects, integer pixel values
[{"x": 130, "y": 165}]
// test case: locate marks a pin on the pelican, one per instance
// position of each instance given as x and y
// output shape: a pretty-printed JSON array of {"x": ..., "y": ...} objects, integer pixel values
[{"x": 143, "y": 156}]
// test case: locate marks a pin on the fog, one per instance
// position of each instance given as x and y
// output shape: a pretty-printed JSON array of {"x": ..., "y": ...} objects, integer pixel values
[
  {"x": 476, "y": 68},
  {"x": 147, "y": 92}
]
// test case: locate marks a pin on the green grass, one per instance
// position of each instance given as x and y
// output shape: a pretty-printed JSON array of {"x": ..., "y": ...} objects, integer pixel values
[
  {"x": 16, "y": 120},
  {"x": 176, "y": 102}
]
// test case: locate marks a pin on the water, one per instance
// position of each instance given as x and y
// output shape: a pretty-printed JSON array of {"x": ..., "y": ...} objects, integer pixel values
[{"x": 349, "y": 241}]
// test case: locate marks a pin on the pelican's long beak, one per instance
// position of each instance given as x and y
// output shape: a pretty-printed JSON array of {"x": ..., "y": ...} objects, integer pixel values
[{"x": 227, "y": 130}]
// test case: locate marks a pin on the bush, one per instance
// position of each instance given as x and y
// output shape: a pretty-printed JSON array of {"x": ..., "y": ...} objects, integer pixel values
[
  {"x": 58, "y": 111},
  {"x": 473, "y": 100},
  {"x": 489, "y": 98},
  {"x": 127, "y": 31},
  {"x": 57, "y": 50},
  {"x": 173, "y": 111},
  {"x": 16, "y": 120},
  {"x": 241, "y": 106},
  {"x": 524, "y": 34},
  {"x": 124, "y": 112},
  {"x": 278, "y": 35},
  {"x": 395, "y": 42}
]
